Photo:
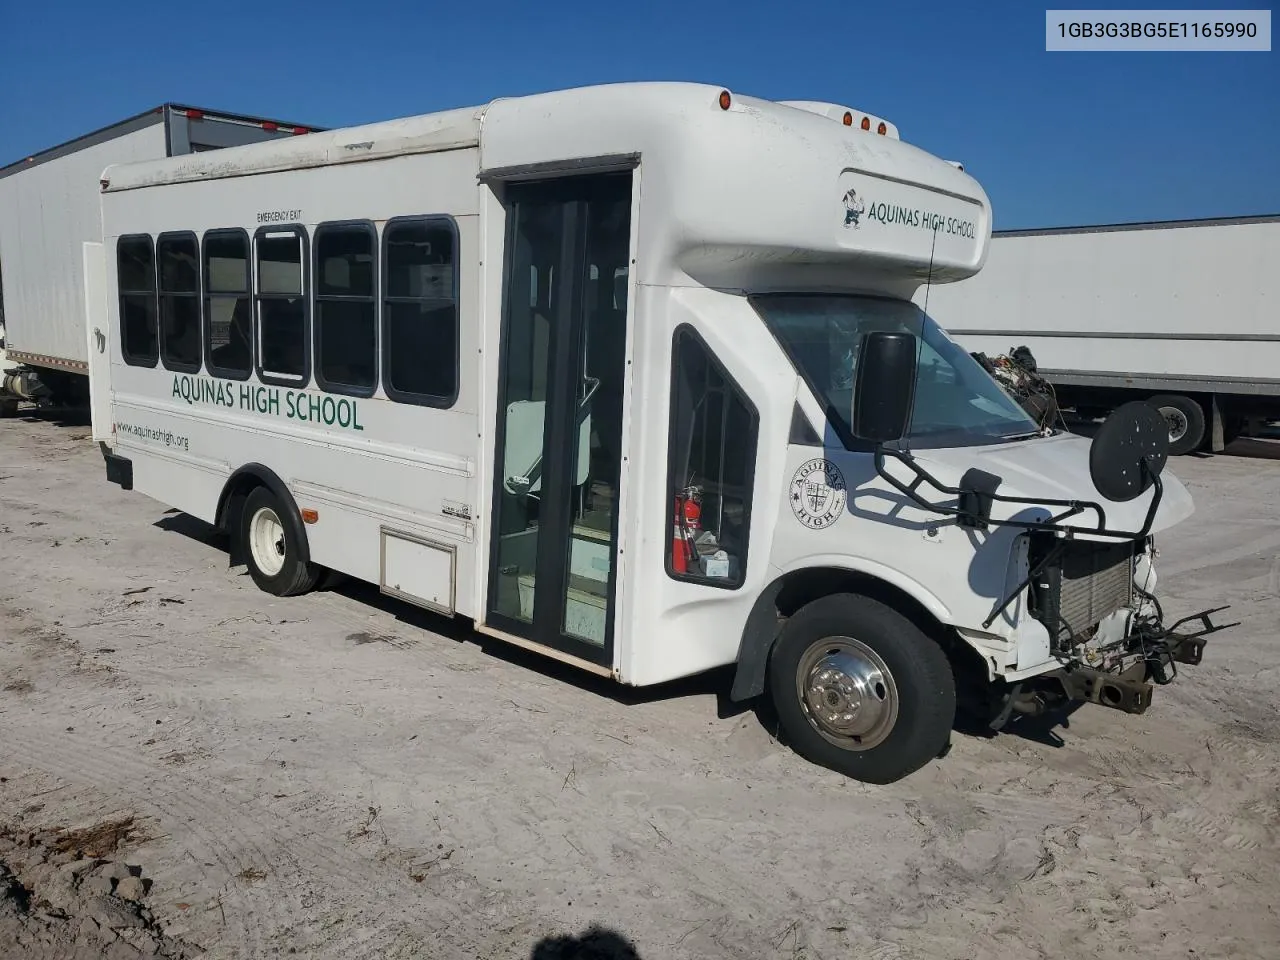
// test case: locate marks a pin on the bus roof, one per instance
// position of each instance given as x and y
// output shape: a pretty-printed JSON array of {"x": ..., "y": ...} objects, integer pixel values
[
  {"x": 449, "y": 130},
  {"x": 742, "y": 183},
  {"x": 621, "y": 107}
]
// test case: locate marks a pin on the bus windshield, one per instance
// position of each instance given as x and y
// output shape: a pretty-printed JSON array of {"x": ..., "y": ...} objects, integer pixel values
[{"x": 956, "y": 402}]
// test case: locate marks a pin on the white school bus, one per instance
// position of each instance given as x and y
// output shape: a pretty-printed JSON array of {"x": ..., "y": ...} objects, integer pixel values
[{"x": 630, "y": 375}]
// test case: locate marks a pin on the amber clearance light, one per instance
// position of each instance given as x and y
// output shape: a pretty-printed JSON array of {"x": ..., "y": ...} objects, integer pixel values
[
  {"x": 848, "y": 119},
  {"x": 725, "y": 100},
  {"x": 866, "y": 123},
  {"x": 882, "y": 129}
]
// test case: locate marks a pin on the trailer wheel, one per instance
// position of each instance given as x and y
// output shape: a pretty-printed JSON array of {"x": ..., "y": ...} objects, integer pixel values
[
  {"x": 861, "y": 690},
  {"x": 1185, "y": 418},
  {"x": 271, "y": 549}
]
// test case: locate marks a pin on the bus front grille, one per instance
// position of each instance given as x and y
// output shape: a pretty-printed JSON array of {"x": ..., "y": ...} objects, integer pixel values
[{"x": 1085, "y": 583}]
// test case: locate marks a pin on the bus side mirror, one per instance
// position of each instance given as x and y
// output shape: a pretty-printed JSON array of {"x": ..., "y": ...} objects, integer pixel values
[{"x": 884, "y": 387}]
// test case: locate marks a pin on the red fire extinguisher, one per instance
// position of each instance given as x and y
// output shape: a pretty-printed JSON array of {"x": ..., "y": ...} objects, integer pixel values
[{"x": 688, "y": 521}]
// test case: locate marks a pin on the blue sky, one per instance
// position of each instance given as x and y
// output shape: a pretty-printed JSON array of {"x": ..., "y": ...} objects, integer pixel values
[{"x": 1056, "y": 138}]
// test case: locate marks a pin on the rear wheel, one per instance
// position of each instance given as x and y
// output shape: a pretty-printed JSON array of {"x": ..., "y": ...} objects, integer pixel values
[
  {"x": 862, "y": 690},
  {"x": 1185, "y": 418},
  {"x": 271, "y": 549}
]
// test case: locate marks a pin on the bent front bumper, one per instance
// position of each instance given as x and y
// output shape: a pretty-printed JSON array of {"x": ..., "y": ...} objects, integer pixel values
[{"x": 1160, "y": 651}]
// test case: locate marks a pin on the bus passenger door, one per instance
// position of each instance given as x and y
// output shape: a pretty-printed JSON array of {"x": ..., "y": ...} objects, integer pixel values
[{"x": 558, "y": 460}]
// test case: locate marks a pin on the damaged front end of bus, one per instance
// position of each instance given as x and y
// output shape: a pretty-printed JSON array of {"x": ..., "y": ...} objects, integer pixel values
[{"x": 1090, "y": 584}]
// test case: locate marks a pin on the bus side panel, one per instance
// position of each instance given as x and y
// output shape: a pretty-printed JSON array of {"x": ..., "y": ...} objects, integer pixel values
[
  {"x": 689, "y": 627},
  {"x": 187, "y": 487},
  {"x": 367, "y": 466}
]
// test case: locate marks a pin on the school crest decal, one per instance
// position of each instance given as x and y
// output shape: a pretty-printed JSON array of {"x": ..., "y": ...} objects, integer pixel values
[{"x": 818, "y": 494}]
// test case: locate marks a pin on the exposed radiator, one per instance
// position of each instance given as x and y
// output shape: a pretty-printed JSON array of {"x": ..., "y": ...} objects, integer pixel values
[{"x": 1085, "y": 583}]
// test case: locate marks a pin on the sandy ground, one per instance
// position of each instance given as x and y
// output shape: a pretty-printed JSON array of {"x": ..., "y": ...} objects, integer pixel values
[{"x": 340, "y": 776}]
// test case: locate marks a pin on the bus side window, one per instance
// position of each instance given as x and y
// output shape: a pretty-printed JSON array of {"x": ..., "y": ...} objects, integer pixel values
[
  {"x": 178, "y": 260},
  {"x": 711, "y": 468},
  {"x": 281, "y": 299},
  {"x": 136, "y": 275},
  {"x": 346, "y": 329},
  {"x": 228, "y": 317},
  {"x": 420, "y": 311}
]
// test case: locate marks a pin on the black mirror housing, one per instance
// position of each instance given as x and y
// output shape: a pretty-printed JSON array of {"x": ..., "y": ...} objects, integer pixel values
[
  {"x": 884, "y": 387},
  {"x": 1129, "y": 451}
]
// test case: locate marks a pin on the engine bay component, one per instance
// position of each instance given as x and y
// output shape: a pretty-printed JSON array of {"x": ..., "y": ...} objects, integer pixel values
[{"x": 1017, "y": 374}]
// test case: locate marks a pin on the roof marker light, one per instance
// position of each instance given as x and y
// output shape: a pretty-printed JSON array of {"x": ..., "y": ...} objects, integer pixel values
[
  {"x": 882, "y": 129},
  {"x": 297, "y": 131},
  {"x": 848, "y": 119},
  {"x": 270, "y": 125},
  {"x": 725, "y": 100},
  {"x": 195, "y": 114},
  {"x": 866, "y": 123}
]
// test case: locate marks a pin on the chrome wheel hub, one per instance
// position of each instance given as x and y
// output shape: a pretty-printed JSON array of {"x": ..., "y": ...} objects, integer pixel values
[
  {"x": 847, "y": 692},
  {"x": 1177, "y": 422}
]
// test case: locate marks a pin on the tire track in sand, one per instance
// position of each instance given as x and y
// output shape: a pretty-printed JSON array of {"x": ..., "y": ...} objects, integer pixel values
[{"x": 181, "y": 800}]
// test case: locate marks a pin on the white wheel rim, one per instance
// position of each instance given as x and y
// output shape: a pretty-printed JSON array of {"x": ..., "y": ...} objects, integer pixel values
[{"x": 266, "y": 541}]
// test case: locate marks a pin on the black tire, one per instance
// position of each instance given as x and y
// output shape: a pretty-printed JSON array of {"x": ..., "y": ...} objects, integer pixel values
[
  {"x": 913, "y": 681},
  {"x": 1186, "y": 422},
  {"x": 286, "y": 575}
]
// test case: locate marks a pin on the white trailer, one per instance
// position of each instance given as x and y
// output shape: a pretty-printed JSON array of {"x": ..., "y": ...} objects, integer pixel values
[
  {"x": 630, "y": 376},
  {"x": 50, "y": 207},
  {"x": 1184, "y": 314}
]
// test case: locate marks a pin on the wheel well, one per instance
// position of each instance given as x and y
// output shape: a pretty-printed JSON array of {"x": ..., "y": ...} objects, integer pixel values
[
  {"x": 233, "y": 497},
  {"x": 238, "y": 488},
  {"x": 801, "y": 587},
  {"x": 790, "y": 592}
]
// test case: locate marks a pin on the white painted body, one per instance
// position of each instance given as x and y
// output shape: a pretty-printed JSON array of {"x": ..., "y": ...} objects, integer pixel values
[
  {"x": 51, "y": 205},
  {"x": 723, "y": 203},
  {"x": 1196, "y": 301}
]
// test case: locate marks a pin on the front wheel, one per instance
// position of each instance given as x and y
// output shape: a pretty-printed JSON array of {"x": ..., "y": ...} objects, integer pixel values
[
  {"x": 860, "y": 689},
  {"x": 271, "y": 549}
]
